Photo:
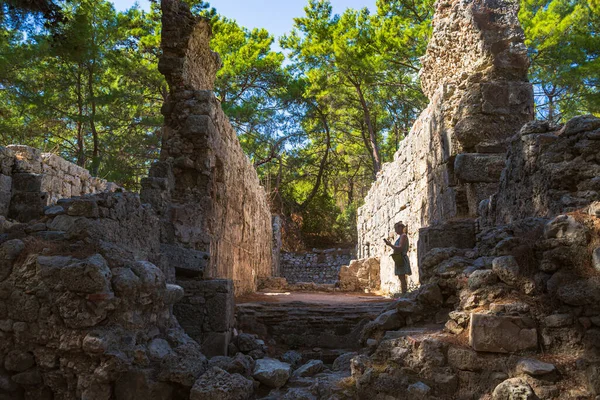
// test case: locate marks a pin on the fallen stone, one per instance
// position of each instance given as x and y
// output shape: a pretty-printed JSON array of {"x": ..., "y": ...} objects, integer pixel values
[
  {"x": 217, "y": 384},
  {"x": 419, "y": 390},
  {"x": 481, "y": 278},
  {"x": 565, "y": 227},
  {"x": 239, "y": 364},
  {"x": 246, "y": 342},
  {"x": 430, "y": 294},
  {"x": 406, "y": 306},
  {"x": 272, "y": 373},
  {"x": 309, "y": 369},
  {"x": 342, "y": 363},
  {"x": 513, "y": 389},
  {"x": 502, "y": 334},
  {"x": 389, "y": 320},
  {"x": 292, "y": 357},
  {"x": 534, "y": 367},
  {"x": 507, "y": 269}
]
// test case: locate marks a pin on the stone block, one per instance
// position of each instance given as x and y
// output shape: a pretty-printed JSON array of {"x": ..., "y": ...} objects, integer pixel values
[
  {"x": 501, "y": 334},
  {"x": 191, "y": 319},
  {"x": 26, "y": 182},
  {"x": 219, "y": 384},
  {"x": 27, "y": 159},
  {"x": 473, "y": 167},
  {"x": 26, "y": 206},
  {"x": 456, "y": 234},
  {"x": 186, "y": 262},
  {"x": 219, "y": 308},
  {"x": 85, "y": 207}
]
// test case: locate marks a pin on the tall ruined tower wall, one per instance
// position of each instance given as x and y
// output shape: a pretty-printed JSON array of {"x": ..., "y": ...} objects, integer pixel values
[
  {"x": 204, "y": 186},
  {"x": 475, "y": 76}
]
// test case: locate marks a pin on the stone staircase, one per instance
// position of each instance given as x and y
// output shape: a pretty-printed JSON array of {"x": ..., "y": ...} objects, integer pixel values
[{"x": 324, "y": 324}]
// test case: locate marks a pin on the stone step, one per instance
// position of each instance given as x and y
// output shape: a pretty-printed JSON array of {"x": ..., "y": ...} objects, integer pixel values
[{"x": 298, "y": 324}]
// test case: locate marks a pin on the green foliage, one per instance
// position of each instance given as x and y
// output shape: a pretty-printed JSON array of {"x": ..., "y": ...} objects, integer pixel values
[
  {"x": 92, "y": 94},
  {"x": 564, "y": 45},
  {"x": 317, "y": 121}
]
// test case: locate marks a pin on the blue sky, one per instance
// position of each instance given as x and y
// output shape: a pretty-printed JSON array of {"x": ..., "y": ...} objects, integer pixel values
[{"x": 274, "y": 15}]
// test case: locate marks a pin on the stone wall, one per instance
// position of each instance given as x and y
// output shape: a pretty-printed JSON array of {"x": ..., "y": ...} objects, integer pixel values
[
  {"x": 31, "y": 180},
  {"x": 549, "y": 170},
  {"x": 204, "y": 186},
  {"x": 85, "y": 310},
  {"x": 318, "y": 266},
  {"x": 207, "y": 313},
  {"x": 475, "y": 75}
]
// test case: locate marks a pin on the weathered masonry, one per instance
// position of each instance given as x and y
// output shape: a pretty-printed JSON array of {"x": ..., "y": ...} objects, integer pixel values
[
  {"x": 204, "y": 187},
  {"x": 475, "y": 76},
  {"x": 31, "y": 180}
]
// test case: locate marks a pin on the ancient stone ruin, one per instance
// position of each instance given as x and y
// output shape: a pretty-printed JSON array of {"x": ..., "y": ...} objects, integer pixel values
[
  {"x": 475, "y": 75},
  {"x": 204, "y": 187},
  {"x": 107, "y": 294}
]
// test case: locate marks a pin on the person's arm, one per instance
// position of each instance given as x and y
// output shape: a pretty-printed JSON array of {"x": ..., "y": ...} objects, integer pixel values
[{"x": 396, "y": 248}]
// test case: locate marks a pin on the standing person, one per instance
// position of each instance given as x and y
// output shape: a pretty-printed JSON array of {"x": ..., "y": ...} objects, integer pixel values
[{"x": 400, "y": 257}]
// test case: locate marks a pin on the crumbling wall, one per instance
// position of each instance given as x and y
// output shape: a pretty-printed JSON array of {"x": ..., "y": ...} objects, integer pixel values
[
  {"x": 361, "y": 275},
  {"x": 318, "y": 266},
  {"x": 31, "y": 180},
  {"x": 204, "y": 186},
  {"x": 549, "y": 170},
  {"x": 475, "y": 75},
  {"x": 84, "y": 312}
]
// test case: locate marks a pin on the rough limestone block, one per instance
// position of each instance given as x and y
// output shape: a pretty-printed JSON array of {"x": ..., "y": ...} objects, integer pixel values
[
  {"x": 473, "y": 167},
  {"x": 457, "y": 234},
  {"x": 219, "y": 384},
  {"x": 272, "y": 373},
  {"x": 186, "y": 262},
  {"x": 500, "y": 334},
  {"x": 27, "y": 159},
  {"x": 26, "y": 182},
  {"x": 25, "y": 206}
]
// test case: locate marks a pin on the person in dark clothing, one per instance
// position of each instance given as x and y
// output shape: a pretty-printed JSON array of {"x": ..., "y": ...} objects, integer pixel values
[{"x": 399, "y": 255}]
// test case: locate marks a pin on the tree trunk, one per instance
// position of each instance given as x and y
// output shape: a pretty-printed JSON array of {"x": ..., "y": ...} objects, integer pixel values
[
  {"x": 96, "y": 142},
  {"x": 80, "y": 138},
  {"x": 372, "y": 136},
  {"x": 322, "y": 165}
]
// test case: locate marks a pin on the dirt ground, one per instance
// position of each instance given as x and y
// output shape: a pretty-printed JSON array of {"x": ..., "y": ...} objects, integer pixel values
[{"x": 312, "y": 298}]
